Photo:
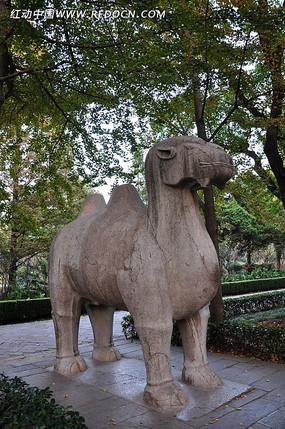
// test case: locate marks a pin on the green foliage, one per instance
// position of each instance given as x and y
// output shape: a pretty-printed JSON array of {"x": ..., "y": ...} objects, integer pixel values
[
  {"x": 23, "y": 407},
  {"x": 128, "y": 326},
  {"x": 26, "y": 310},
  {"x": 66, "y": 82},
  {"x": 263, "y": 271},
  {"x": 31, "y": 280},
  {"x": 41, "y": 193},
  {"x": 242, "y": 230},
  {"x": 251, "y": 193}
]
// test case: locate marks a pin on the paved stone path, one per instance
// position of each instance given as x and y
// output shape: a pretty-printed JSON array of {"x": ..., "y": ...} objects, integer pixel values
[{"x": 110, "y": 394}]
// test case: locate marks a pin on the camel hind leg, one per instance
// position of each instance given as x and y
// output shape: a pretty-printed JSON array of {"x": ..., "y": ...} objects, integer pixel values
[
  {"x": 101, "y": 318},
  {"x": 66, "y": 310},
  {"x": 196, "y": 371}
]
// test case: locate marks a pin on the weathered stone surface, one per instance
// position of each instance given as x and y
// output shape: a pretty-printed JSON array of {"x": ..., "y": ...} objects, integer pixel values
[{"x": 158, "y": 262}]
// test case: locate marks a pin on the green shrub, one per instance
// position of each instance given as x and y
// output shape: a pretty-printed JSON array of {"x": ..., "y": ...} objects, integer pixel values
[
  {"x": 25, "y": 407},
  {"x": 22, "y": 291},
  {"x": 250, "y": 286},
  {"x": 31, "y": 278},
  {"x": 129, "y": 329}
]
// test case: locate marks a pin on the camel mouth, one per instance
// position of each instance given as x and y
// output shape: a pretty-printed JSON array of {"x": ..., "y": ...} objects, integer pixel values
[{"x": 213, "y": 164}]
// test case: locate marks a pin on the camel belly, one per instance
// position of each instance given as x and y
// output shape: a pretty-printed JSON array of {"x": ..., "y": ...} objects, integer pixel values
[{"x": 193, "y": 293}]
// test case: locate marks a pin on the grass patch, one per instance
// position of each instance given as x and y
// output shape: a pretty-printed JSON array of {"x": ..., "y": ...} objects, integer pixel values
[{"x": 278, "y": 313}]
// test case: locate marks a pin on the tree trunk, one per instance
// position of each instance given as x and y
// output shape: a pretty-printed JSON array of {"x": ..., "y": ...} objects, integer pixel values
[
  {"x": 7, "y": 66},
  {"x": 248, "y": 258},
  {"x": 274, "y": 58},
  {"x": 216, "y": 305},
  {"x": 278, "y": 258},
  {"x": 13, "y": 251},
  {"x": 276, "y": 163},
  {"x": 12, "y": 270}
]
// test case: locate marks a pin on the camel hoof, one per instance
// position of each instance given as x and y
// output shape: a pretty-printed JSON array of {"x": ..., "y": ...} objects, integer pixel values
[
  {"x": 165, "y": 396},
  {"x": 202, "y": 376},
  {"x": 106, "y": 354},
  {"x": 70, "y": 365}
]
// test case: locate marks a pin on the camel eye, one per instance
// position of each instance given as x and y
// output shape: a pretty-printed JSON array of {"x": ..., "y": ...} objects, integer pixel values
[{"x": 166, "y": 153}]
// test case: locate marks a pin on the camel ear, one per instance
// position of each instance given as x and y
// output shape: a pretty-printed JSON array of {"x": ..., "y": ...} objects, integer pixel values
[{"x": 166, "y": 153}]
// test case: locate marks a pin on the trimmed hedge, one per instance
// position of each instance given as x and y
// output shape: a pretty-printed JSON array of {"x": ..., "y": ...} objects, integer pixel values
[
  {"x": 263, "y": 342},
  {"x": 24, "y": 310},
  {"x": 250, "y": 286},
  {"x": 263, "y": 301}
]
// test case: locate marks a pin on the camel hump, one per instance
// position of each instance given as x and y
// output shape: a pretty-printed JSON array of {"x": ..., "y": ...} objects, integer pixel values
[
  {"x": 93, "y": 204},
  {"x": 125, "y": 197}
]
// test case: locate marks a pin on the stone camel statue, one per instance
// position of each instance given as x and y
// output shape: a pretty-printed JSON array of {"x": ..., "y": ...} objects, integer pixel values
[{"x": 157, "y": 262}]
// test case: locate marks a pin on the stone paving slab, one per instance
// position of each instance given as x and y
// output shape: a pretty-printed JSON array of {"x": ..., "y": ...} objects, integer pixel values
[
  {"x": 126, "y": 379},
  {"x": 111, "y": 394}
]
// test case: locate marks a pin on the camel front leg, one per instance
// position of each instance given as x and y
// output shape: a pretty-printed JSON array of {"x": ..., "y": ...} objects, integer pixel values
[
  {"x": 196, "y": 370},
  {"x": 101, "y": 318},
  {"x": 161, "y": 390}
]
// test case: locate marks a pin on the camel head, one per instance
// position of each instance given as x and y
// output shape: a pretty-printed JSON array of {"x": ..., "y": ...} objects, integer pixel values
[{"x": 189, "y": 160}]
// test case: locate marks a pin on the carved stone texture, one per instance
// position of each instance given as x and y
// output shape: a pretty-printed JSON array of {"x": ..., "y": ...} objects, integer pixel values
[{"x": 158, "y": 262}]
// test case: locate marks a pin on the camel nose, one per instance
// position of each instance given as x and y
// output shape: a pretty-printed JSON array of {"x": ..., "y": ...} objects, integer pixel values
[{"x": 216, "y": 172}]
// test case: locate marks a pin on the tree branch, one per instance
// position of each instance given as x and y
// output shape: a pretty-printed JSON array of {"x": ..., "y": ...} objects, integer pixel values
[
  {"x": 206, "y": 59},
  {"x": 71, "y": 51},
  {"x": 263, "y": 174},
  {"x": 58, "y": 106},
  {"x": 82, "y": 46},
  {"x": 78, "y": 90},
  {"x": 169, "y": 122},
  {"x": 22, "y": 71},
  {"x": 235, "y": 106}
]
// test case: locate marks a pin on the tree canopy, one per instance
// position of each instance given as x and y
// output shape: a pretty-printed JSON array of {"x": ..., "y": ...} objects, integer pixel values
[
  {"x": 86, "y": 85},
  {"x": 218, "y": 65}
]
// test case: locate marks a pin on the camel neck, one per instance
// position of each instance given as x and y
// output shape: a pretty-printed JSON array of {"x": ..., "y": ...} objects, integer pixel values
[{"x": 173, "y": 211}]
